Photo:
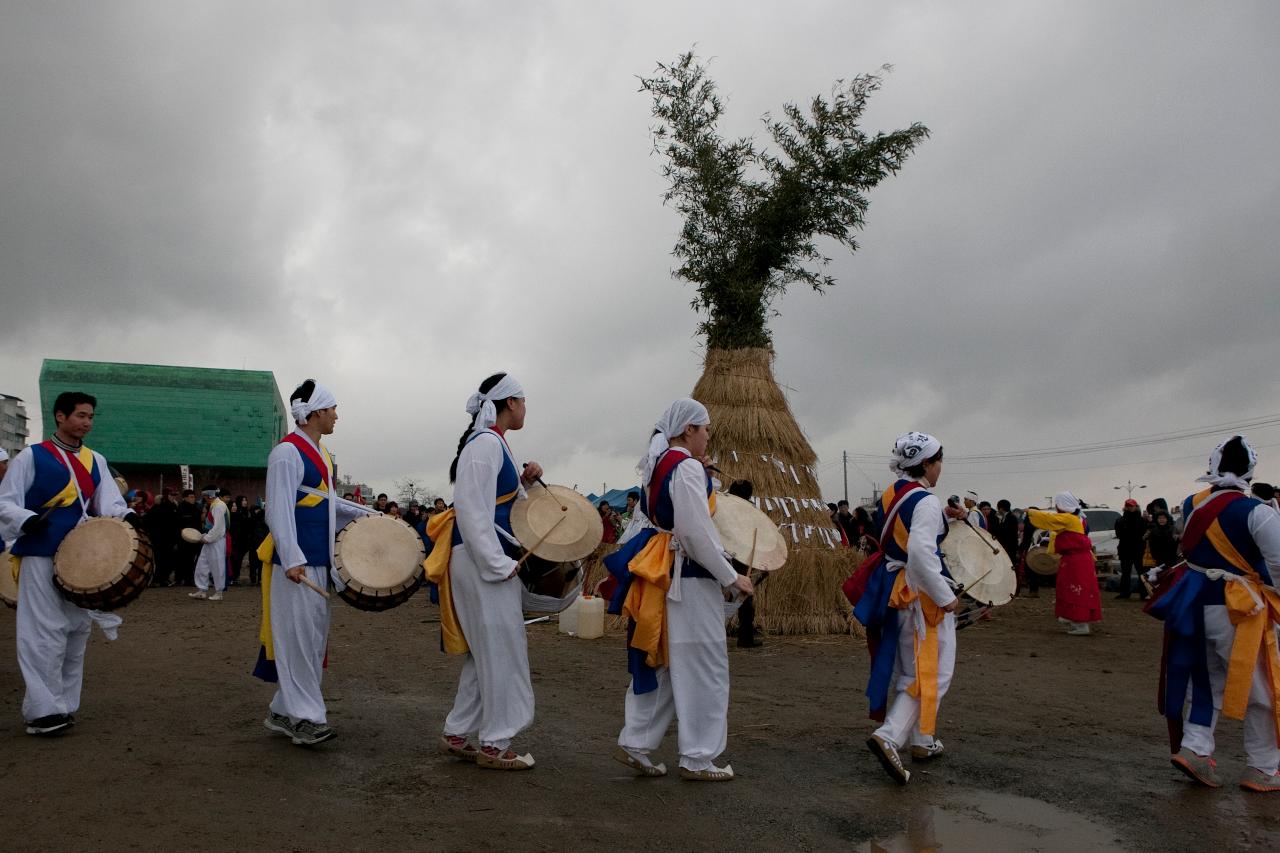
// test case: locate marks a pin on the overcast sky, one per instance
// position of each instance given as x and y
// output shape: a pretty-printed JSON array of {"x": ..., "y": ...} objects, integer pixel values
[{"x": 401, "y": 198}]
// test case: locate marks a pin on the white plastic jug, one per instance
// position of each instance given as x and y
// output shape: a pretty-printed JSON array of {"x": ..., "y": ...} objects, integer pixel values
[
  {"x": 569, "y": 617},
  {"x": 590, "y": 617}
]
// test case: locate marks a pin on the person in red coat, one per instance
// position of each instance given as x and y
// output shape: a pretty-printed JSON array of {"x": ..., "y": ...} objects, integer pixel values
[{"x": 1078, "y": 600}]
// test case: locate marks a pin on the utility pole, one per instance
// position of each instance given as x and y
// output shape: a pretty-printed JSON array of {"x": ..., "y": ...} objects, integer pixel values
[{"x": 845, "y": 454}]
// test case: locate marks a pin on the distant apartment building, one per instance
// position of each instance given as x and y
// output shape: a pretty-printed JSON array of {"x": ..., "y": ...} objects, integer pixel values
[{"x": 13, "y": 424}]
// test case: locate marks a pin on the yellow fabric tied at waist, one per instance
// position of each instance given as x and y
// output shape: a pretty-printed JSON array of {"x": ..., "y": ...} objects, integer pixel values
[
  {"x": 1254, "y": 610},
  {"x": 15, "y": 566},
  {"x": 646, "y": 601},
  {"x": 436, "y": 565},
  {"x": 925, "y": 687},
  {"x": 266, "y": 553}
]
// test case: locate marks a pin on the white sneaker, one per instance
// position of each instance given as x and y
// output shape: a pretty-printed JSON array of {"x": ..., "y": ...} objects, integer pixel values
[
  {"x": 199, "y": 593},
  {"x": 217, "y": 596},
  {"x": 1078, "y": 629}
]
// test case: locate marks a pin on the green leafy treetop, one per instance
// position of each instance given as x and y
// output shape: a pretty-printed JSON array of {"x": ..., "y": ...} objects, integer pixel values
[{"x": 751, "y": 218}]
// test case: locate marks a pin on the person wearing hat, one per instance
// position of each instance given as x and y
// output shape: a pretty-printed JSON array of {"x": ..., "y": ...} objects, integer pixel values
[
  {"x": 1077, "y": 600},
  {"x": 908, "y": 608},
  {"x": 49, "y": 489},
  {"x": 211, "y": 566},
  {"x": 672, "y": 578},
  {"x": 1220, "y": 611},
  {"x": 1131, "y": 543},
  {"x": 474, "y": 561},
  {"x": 303, "y": 515}
]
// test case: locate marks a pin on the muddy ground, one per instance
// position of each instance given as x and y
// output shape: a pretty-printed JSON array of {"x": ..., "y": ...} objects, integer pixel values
[{"x": 1053, "y": 744}]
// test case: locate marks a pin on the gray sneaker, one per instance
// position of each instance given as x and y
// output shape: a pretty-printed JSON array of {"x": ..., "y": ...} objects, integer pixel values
[
  {"x": 278, "y": 723},
  {"x": 925, "y": 752},
  {"x": 889, "y": 759},
  {"x": 1200, "y": 768},
  {"x": 1255, "y": 780},
  {"x": 307, "y": 733}
]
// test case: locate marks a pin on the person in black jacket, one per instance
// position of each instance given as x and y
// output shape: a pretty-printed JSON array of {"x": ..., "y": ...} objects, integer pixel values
[
  {"x": 1131, "y": 532},
  {"x": 1162, "y": 537}
]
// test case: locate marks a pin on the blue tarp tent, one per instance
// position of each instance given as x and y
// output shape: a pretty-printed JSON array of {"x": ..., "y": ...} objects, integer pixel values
[{"x": 617, "y": 498}]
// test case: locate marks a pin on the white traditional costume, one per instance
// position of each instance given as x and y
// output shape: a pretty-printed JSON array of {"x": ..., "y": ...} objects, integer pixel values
[
  {"x": 63, "y": 485},
  {"x": 211, "y": 567},
  {"x": 673, "y": 576}
]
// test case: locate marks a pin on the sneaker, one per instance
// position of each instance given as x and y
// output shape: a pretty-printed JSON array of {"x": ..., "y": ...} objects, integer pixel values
[
  {"x": 884, "y": 750},
  {"x": 278, "y": 723},
  {"x": 1200, "y": 768},
  {"x": 199, "y": 593},
  {"x": 50, "y": 725},
  {"x": 217, "y": 596},
  {"x": 307, "y": 733},
  {"x": 924, "y": 752},
  {"x": 1080, "y": 629},
  {"x": 1255, "y": 780}
]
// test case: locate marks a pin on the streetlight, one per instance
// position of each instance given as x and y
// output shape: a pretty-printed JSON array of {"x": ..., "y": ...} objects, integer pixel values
[{"x": 1130, "y": 487}]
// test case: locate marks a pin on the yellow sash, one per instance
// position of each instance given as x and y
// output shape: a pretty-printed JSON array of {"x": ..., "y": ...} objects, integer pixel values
[
  {"x": 1254, "y": 609},
  {"x": 440, "y": 532},
  {"x": 925, "y": 687}
]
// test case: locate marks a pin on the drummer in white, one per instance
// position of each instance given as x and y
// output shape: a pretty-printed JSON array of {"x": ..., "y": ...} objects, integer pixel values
[
  {"x": 212, "y": 564},
  {"x": 48, "y": 490}
]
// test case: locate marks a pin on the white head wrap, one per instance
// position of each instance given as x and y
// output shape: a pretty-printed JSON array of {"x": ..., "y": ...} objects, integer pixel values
[
  {"x": 1215, "y": 477},
  {"x": 321, "y": 398},
  {"x": 4, "y": 455},
  {"x": 482, "y": 405},
  {"x": 1066, "y": 502},
  {"x": 680, "y": 415},
  {"x": 911, "y": 449}
]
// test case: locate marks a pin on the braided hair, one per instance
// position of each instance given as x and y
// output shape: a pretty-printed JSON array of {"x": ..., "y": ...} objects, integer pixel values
[{"x": 499, "y": 405}]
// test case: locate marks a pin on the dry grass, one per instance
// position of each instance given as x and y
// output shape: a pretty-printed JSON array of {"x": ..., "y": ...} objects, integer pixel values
[{"x": 755, "y": 437}]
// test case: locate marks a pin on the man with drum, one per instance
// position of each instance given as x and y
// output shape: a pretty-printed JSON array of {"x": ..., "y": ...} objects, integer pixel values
[
  {"x": 211, "y": 567},
  {"x": 49, "y": 489},
  {"x": 908, "y": 608},
  {"x": 303, "y": 515}
]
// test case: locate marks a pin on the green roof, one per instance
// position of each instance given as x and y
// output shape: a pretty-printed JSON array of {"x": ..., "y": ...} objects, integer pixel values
[{"x": 163, "y": 415}]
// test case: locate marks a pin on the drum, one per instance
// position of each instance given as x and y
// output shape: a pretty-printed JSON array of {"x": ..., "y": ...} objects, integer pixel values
[
  {"x": 748, "y": 534},
  {"x": 557, "y": 524},
  {"x": 549, "y": 587},
  {"x": 1040, "y": 561},
  {"x": 8, "y": 586},
  {"x": 977, "y": 561},
  {"x": 379, "y": 558},
  {"x": 103, "y": 564},
  {"x": 190, "y": 534}
]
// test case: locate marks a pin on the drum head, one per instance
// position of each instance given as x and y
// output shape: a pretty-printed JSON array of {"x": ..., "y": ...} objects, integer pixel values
[
  {"x": 190, "y": 534},
  {"x": 95, "y": 554},
  {"x": 379, "y": 552},
  {"x": 8, "y": 586},
  {"x": 557, "y": 524},
  {"x": 977, "y": 561},
  {"x": 738, "y": 521},
  {"x": 1040, "y": 561}
]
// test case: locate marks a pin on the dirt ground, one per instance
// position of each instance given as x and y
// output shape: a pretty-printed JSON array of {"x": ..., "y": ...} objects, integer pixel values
[{"x": 1053, "y": 744}]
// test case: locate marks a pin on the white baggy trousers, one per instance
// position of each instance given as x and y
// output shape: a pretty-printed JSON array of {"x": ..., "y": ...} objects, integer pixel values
[
  {"x": 52, "y": 634},
  {"x": 212, "y": 566},
  {"x": 299, "y": 635},
  {"x": 495, "y": 695},
  {"x": 902, "y": 722},
  {"x": 693, "y": 687},
  {"x": 1260, "y": 747}
]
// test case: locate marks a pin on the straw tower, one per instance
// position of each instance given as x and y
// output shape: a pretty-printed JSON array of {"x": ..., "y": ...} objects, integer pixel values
[{"x": 755, "y": 437}]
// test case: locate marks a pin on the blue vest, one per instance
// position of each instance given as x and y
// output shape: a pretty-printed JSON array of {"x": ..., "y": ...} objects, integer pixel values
[
  {"x": 1234, "y": 520},
  {"x": 51, "y": 477},
  {"x": 312, "y": 522},
  {"x": 906, "y": 512},
  {"x": 507, "y": 483},
  {"x": 663, "y": 513}
]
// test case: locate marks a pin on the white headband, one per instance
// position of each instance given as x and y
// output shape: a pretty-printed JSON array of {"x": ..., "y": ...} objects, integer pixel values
[
  {"x": 1215, "y": 477},
  {"x": 482, "y": 405},
  {"x": 1066, "y": 502},
  {"x": 679, "y": 416},
  {"x": 4, "y": 455},
  {"x": 911, "y": 449},
  {"x": 321, "y": 398}
]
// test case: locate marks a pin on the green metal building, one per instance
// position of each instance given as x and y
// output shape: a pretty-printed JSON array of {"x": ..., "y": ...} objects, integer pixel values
[{"x": 153, "y": 418}]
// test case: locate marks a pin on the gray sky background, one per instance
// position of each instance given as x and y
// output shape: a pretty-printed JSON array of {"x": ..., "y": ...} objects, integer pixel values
[{"x": 400, "y": 198}]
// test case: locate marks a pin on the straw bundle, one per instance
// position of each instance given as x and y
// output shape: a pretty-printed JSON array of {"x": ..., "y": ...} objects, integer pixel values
[{"x": 755, "y": 437}]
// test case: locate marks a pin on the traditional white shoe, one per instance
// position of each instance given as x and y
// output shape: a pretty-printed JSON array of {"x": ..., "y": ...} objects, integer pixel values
[
  {"x": 924, "y": 752},
  {"x": 708, "y": 774},
  {"x": 1079, "y": 629},
  {"x": 199, "y": 593},
  {"x": 639, "y": 762},
  {"x": 887, "y": 752},
  {"x": 492, "y": 758},
  {"x": 217, "y": 596}
]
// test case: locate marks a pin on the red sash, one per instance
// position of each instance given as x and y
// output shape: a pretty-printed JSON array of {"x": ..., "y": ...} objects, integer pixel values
[
  {"x": 665, "y": 466},
  {"x": 306, "y": 449},
  {"x": 856, "y": 584},
  {"x": 82, "y": 475},
  {"x": 1204, "y": 516}
]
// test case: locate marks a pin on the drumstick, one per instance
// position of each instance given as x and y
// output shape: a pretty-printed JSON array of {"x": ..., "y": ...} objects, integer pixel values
[
  {"x": 994, "y": 549},
  {"x": 529, "y": 553},
  {"x": 751, "y": 558},
  {"x": 539, "y": 481},
  {"x": 306, "y": 580}
]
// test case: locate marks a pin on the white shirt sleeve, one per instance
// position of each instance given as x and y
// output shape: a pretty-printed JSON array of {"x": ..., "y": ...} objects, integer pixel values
[
  {"x": 219, "y": 529},
  {"x": 474, "y": 502},
  {"x": 13, "y": 495},
  {"x": 284, "y": 474},
  {"x": 693, "y": 526},
  {"x": 107, "y": 500},
  {"x": 924, "y": 569},
  {"x": 1264, "y": 525},
  {"x": 347, "y": 511}
]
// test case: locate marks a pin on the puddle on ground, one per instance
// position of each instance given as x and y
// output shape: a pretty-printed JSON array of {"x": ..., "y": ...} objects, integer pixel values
[{"x": 987, "y": 822}]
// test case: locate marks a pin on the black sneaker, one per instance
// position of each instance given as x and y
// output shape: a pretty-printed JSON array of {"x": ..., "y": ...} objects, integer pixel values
[
  {"x": 50, "y": 725},
  {"x": 278, "y": 723},
  {"x": 307, "y": 733}
]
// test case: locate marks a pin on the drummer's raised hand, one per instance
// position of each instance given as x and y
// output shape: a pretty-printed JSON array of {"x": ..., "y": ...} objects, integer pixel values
[
  {"x": 743, "y": 584},
  {"x": 532, "y": 471},
  {"x": 295, "y": 574},
  {"x": 951, "y": 608}
]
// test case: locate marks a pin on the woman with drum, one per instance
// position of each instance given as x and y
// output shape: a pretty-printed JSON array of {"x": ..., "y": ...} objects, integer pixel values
[
  {"x": 1077, "y": 600},
  {"x": 908, "y": 606},
  {"x": 474, "y": 561}
]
